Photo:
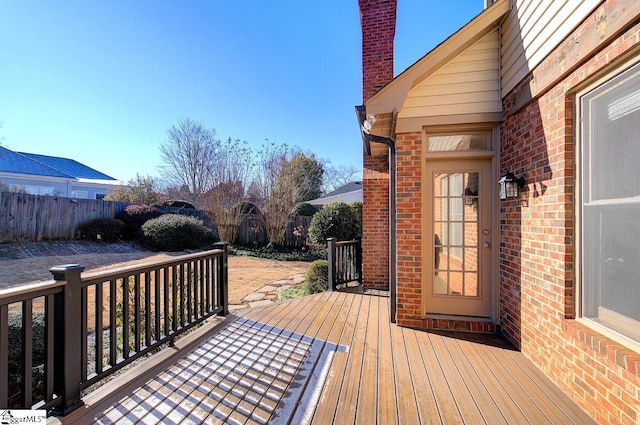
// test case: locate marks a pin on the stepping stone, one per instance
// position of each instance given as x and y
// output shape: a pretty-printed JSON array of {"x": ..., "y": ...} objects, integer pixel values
[
  {"x": 261, "y": 303},
  {"x": 280, "y": 282},
  {"x": 268, "y": 288},
  {"x": 235, "y": 307},
  {"x": 254, "y": 296}
]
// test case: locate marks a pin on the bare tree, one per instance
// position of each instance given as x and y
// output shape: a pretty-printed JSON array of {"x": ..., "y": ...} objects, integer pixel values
[
  {"x": 274, "y": 205},
  {"x": 254, "y": 194},
  {"x": 140, "y": 190},
  {"x": 231, "y": 176},
  {"x": 176, "y": 192},
  {"x": 335, "y": 177},
  {"x": 189, "y": 155},
  {"x": 302, "y": 176},
  {"x": 285, "y": 177}
]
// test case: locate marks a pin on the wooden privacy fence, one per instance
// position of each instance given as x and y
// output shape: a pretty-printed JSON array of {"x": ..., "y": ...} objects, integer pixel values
[
  {"x": 25, "y": 217},
  {"x": 297, "y": 233},
  {"x": 252, "y": 231},
  {"x": 345, "y": 262},
  {"x": 28, "y": 218},
  {"x": 94, "y": 325}
]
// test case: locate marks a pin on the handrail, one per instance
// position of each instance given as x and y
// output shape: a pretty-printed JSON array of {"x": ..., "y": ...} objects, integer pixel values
[
  {"x": 93, "y": 324},
  {"x": 19, "y": 293}
]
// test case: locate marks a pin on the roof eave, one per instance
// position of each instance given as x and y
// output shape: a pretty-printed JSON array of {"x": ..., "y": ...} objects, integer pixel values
[{"x": 392, "y": 95}]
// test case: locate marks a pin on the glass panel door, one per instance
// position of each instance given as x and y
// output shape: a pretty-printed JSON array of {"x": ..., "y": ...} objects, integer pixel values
[
  {"x": 457, "y": 218},
  {"x": 456, "y": 234}
]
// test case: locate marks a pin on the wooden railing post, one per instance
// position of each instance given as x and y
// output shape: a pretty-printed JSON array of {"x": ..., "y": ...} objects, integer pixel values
[
  {"x": 68, "y": 340},
  {"x": 331, "y": 259},
  {"x": 223, "y": 278},
  {"x": 359, "y": 259}
]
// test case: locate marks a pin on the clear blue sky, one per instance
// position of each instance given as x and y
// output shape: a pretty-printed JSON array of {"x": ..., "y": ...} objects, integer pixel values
[{"x": 102, "y": 81}]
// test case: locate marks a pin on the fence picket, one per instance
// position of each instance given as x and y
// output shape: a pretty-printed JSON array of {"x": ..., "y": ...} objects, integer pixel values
[{"x": 25, "y": 217}]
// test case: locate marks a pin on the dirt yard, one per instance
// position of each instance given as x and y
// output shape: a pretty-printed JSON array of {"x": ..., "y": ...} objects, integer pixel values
[{"x": 30, "y": 262}]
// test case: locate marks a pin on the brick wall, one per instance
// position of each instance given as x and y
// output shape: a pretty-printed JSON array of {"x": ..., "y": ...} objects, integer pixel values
[
  {"x": 537, "y": 238},
  {"x": 409, "y": 228},
  {"x": 375, "y": 223},
  {"x": 378, "y": 22}
]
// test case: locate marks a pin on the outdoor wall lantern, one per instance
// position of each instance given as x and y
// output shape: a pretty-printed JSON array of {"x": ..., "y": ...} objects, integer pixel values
[
  {"x": 470, "y": 197},
  {"x": 510, "y": 186}
]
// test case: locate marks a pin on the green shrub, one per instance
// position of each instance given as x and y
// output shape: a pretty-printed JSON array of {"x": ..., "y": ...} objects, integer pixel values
[
  {"x": 14, "y": 335},
  {"x": 134, "y": 216},
  {"x": 279, "y": 253},
  {"x": 356, "y": 206},
  {"x": 304, "y": 209},
  {"x": 292, "y": 293},
  {"x": 336, "y": 220},
  {"x": 173, "y": 232},
  {"x": 317, "y": 278},
  {"x": 179, "y": 204},
  {"x": 104, "y": 229}
]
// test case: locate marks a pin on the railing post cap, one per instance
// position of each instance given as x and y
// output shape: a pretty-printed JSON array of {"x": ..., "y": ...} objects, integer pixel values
[
  {"x": 59, "y": 272},
  {"x": 223, "y": 245}
]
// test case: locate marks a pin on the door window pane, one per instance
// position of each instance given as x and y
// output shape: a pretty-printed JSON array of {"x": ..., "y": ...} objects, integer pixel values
[{"x": 456, "y": 234}]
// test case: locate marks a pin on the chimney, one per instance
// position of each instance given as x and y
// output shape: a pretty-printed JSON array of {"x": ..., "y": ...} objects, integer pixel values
[{"x": 378, "y": 22}]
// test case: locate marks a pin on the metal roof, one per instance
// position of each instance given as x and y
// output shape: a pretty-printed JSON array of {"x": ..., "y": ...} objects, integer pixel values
[{"x": 47, "y": 166}]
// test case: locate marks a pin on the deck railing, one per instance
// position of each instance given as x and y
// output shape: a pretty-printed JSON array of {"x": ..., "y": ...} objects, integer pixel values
[
  {"x": 345, "y": 262},
  {"x": 59, "y": 337}
]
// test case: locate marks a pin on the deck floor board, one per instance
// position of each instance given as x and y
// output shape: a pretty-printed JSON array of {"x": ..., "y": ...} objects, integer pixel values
[
  {"x": 349, "y": 392},
  {"x": 332, "y": 358},
  {"x": 387, "y": 394},
  {"x": 368, "y": 382},
  {"x": 404, "y": 380}
]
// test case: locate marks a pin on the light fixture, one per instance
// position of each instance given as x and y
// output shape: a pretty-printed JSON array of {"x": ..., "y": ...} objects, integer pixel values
[
  {"x": 470, "y": 197},
  {"x": 510, "y": 186},
  {"x": 367, "y": 125}
]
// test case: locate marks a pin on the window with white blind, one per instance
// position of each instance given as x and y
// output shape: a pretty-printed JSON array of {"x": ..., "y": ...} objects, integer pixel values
[{"x": 610, "y": 203}]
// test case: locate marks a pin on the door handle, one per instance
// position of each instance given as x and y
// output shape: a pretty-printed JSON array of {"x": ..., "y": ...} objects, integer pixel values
[{"x": 486, "y": 244}]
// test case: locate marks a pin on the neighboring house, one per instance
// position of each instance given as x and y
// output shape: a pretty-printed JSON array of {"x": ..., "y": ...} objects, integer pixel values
[
  {"x": 548, "y": 91},
  {"x": 50, "y": 175},
  {"x": 348, "y": 193}
]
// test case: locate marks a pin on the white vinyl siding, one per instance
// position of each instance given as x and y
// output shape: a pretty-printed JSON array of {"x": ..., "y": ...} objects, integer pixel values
[
  {"x": 79, "y": 194},
  {"x": 532, "y": 30},
  {"x": 468, "y": 84}
]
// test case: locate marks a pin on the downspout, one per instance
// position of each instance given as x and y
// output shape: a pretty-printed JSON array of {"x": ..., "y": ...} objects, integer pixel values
[{"x": 367, "y": 138}]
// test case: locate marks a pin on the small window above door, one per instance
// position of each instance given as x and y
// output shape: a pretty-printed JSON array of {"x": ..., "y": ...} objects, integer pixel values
[{"x": 459, "y": 142}]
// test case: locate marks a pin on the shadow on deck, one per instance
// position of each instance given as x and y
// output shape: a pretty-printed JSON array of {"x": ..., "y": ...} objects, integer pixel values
[{"x": 330, "y": 358}]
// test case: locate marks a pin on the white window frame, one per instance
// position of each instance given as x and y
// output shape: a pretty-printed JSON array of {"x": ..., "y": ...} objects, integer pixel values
[
  {"x": 80, "y": 194},
  {"x": 39, "y": 190},
  {"x": 606, "y": 331}
]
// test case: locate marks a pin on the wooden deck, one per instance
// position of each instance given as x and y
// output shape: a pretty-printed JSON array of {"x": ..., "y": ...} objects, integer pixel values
[{"x": 331, "y": 358}]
